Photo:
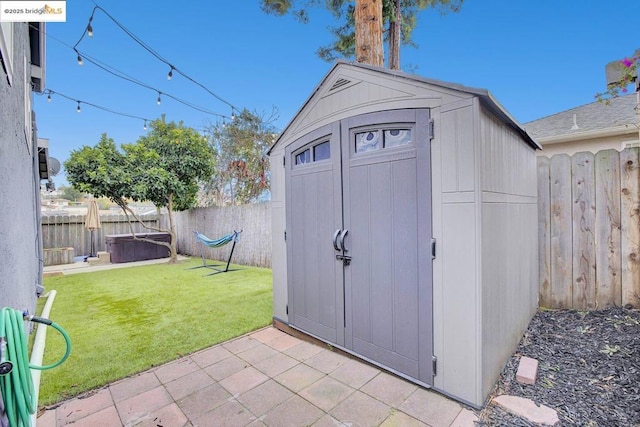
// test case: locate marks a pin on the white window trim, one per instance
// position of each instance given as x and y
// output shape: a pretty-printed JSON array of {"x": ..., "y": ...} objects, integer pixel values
[{"x": 6, "y": 48}]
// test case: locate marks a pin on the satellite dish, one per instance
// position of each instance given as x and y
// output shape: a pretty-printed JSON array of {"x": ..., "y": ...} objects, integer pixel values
[{"x": 54, "y": 166}]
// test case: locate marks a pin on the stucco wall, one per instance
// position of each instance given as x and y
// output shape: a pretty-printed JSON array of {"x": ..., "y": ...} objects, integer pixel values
[{"x": 20, "y": 263}]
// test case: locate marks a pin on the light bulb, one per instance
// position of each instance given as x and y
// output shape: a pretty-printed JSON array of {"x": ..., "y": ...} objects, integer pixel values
[
  {"x": 145, "y": 125},
  {"x": 158, "y": 101},
  {"x": 170, "y": 74},
  {"x": 49, "y": 97},
  {"x": 78, "y": 109},
  {"x": 89, "y": 27},
  {"x": 80, "y": 60}
]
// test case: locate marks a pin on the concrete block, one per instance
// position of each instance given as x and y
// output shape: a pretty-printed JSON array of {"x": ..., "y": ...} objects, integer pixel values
[
  {"x": 528, "y": 409},
  {"x": 527, "y": 370}
]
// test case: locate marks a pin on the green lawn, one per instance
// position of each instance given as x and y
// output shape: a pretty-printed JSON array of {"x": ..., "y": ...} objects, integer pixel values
[{"x": 127, "y": 320}]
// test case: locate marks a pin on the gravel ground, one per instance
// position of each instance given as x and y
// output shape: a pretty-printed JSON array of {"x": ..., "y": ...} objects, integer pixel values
[{"x": 589, "y": 369}]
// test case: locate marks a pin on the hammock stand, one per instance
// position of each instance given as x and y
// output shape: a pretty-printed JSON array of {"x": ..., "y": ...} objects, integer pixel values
[{"x": 217, "y": 243}]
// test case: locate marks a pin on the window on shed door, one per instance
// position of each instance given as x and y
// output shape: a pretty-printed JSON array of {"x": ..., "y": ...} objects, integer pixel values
[
  {"x": 373, "y": 140},
  {"x": 313, "y": 152}
]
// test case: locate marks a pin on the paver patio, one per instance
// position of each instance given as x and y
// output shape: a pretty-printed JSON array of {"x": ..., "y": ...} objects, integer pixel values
[{"x": 266, "y": 378}]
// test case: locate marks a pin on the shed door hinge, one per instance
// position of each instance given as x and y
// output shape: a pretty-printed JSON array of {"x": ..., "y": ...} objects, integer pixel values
[
  {"x": 431, "y": 129},
  {"x": 285, "y": 235},
  {"x": 284, "y": 161},
  {"x": 434, "y": 365},
  {"x": 287, "y": 309},
  {"x": 433, "y": 248}
]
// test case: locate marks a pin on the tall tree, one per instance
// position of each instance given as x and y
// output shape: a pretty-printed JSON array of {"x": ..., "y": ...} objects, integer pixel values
[
  {"x": 368, "y": 29},
  {"x": 239, "y": 148},
  {"x": 399, "y": 19},
  {"x": 163, "y": 167}
]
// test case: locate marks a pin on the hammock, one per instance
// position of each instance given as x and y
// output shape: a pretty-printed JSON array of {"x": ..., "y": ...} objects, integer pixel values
[{"x": 216, "y": 243}]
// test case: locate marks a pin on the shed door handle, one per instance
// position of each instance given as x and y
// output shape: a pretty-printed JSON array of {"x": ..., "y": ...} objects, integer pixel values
[
  {"x": 343, "y": 235},
  {"x": 335, "y": 239}
]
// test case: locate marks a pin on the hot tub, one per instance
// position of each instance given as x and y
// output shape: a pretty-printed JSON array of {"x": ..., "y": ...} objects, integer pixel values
[{"x": 124, "y": 248}]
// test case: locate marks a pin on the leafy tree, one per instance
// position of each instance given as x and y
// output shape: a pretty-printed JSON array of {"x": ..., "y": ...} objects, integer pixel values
[
  {"x": 71, "y": 193},
  {"x": 399, "y": 18},
  {"x": 240, "y": 148},
  {"x": 163, "y": 167}
]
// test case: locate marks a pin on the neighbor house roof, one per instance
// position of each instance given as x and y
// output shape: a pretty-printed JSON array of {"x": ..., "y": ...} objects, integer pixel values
[
  {"x": 618, "y": 116},
  {"x": 484, "y": 95}
]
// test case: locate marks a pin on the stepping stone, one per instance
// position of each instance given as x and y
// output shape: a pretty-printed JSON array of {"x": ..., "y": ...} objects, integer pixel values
[
  {"x": 527, "y": 370},
  {"x": 526, "y": 408}
]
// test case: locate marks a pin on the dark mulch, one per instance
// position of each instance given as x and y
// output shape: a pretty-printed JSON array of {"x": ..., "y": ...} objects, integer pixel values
[{"x": 589, "y": 369}]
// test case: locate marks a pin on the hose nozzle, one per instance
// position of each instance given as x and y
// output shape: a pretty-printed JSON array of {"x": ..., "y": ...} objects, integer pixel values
[{"x": 5, "y": 366}]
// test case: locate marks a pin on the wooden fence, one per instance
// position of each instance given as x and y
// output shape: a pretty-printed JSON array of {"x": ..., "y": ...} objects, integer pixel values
[
  {"x": 255, "y": 241},
  {"x": 589, "y": 230},
  {"x": 64, "y": 231},
  {"x": 68, "y": 231}
]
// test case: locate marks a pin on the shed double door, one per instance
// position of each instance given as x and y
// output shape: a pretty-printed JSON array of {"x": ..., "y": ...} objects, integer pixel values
[{"x": 359, "y": 238}]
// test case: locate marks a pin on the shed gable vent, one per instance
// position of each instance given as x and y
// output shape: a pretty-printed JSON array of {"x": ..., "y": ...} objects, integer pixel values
[{"x": 339, "y": 83}]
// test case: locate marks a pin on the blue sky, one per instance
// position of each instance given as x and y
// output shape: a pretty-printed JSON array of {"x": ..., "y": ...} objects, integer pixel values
[{"x": 536, "y": 57}]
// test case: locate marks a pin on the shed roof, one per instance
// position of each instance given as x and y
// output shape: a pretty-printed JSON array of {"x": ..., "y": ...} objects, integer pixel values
[
  {"x": 619, "y": 114},
  {"x": 484, "y": 95}
]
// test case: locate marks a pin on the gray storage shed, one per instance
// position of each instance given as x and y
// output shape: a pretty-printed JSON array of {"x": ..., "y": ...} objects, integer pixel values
[{"x": 404, "y": 222}]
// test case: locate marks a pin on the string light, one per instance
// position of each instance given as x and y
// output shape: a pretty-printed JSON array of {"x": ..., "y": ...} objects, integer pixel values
[
  {"x": 117, "y": 73},
  {"x": 145, "y": 125},
  {"x": 233, "y": 116},
  {"x": 80, "y": 60},
  {"x": 89, "y": 27},
  {"x": 158, "y": 101},
  {"x": 50, "y": 92},
  {"x": 153, "y": 52},
  {"x": 49, "y": 97}
]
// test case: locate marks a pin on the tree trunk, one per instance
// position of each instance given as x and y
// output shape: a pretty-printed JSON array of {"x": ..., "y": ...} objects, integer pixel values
[
  {"x": 368, "y": 18},
  {"x": 172, "y": 232},
  {"x": 395, "y": 31}
]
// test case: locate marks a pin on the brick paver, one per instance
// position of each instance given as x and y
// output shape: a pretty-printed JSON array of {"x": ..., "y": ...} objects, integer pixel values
[{"x": 266, "y": 378}]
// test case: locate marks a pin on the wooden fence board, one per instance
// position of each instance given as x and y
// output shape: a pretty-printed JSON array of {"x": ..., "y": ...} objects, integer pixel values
[
  {"x": 583, "y": 213},
  {"x": 608, "y": 274},
  {"x": 561, "y": 231},
  {"x": 544, "y": 224},
  {"x": 630, "y": 225}
]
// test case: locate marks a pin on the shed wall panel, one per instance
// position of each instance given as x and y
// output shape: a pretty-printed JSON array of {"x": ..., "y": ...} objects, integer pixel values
[
  {"x": 278, "y": 224},
  {"x": 458, "y": 152},
  {"x": 508, "y": 249},
  {"x": 457, "y": 362},
  {"x": 506, "y": 160}
]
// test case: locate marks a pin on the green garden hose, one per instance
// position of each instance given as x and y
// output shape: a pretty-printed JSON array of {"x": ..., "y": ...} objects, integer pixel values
[{"x": 16, "y": 385}]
